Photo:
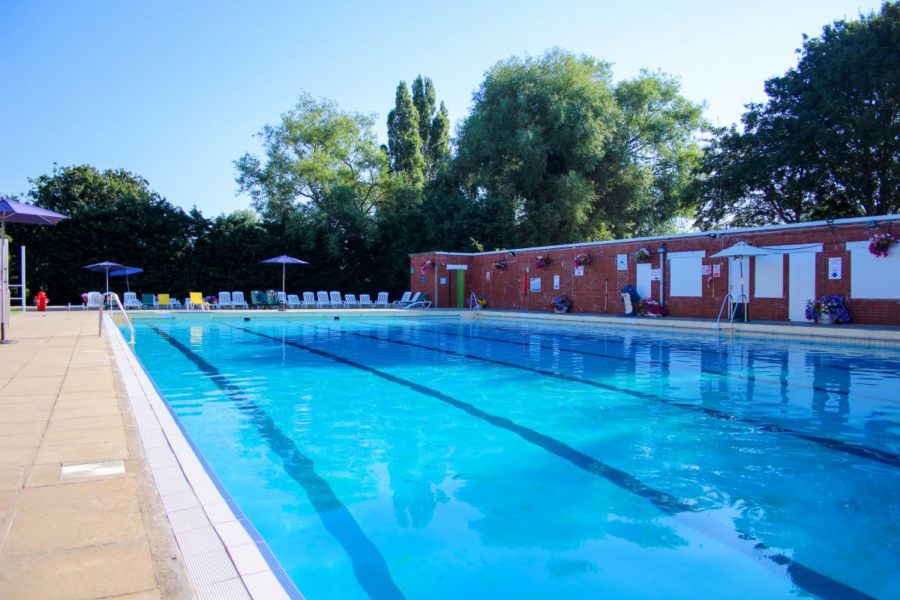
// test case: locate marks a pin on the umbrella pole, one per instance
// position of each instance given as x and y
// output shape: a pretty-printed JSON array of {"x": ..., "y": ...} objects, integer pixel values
[{"x": 4, "y": 290}]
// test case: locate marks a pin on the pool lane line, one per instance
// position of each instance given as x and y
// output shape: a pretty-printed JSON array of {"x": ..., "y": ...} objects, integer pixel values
[
  {"x": 369, "y": 566},
  {"x": 882, "y": 456},
  {"x": 620, "y": 340},
  {"x": 801, "y": 575},
  {"x": 784, "y": 385}
]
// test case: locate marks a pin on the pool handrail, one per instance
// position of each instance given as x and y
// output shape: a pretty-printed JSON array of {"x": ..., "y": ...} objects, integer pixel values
[{"x": 112, "y": 296}]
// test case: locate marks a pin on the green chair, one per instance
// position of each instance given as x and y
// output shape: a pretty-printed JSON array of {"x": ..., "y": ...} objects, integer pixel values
[{"x": 148, "y": 301}]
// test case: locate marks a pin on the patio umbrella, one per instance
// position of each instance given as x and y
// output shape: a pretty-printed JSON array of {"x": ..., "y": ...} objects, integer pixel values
[
  {"x": 17, "y": 212},
  {"x": 284, "y": 261},
  {"x": 126, "y": 272},
  {"x": 106, "y": 266},
  {"x": 739, "y": 251}
]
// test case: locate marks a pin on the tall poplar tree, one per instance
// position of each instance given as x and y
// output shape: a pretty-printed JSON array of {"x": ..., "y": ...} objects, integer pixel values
[{"x": 421, "y": 159}]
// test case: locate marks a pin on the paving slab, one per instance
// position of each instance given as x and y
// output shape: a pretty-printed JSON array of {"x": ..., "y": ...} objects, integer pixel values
[{"x": 100, "y": 535}]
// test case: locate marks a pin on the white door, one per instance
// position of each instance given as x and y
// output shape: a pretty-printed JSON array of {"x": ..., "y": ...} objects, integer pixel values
[
  {"x": 735, "y": 270},
  {"x": 801, "y": 283},
  {"x": 643, "y": 280}
]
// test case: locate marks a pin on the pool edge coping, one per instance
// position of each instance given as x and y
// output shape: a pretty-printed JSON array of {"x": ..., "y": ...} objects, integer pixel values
[{"x": 163, "y": 440}]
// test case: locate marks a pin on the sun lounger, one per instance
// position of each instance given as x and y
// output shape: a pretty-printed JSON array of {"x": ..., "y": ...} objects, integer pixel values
[
  {"x": 350, "y": 301},
  {"x": 93, "y": 300},
  {"x": 309, "y": 300},
  {"x": 382, "y": 300},
  {"x": 403, "y": 301},
  {"x": 322, "y": 300},
  {"x": 196, "y": 301},
  {"x": 149, "y": 301},
  {"x": 237, "y": 300},
  {"x": 334, "y": 298},
  {"x": 417, "y": 301},
  {"x": 129, "y": 300},
  {"x": 293, "y": 301},
  {"x": 225, "y": 300},
  {"x": 365, "y": 301}
]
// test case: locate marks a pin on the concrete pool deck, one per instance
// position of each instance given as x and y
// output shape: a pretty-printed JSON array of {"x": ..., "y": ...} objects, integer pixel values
[{"x": 86, "y": 532}]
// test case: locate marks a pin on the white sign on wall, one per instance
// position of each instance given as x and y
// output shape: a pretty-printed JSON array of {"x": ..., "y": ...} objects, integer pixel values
[
  {"x": 655, "y": 274},
  {"x": 556, "y": 282},
  {"x": 535, "y": 284},
  {"x": 579, "y": 271},
  {"x": 487, "y": 275},
  {"x": 834, "y": 267},
  {"x": 622, "y": 262}
]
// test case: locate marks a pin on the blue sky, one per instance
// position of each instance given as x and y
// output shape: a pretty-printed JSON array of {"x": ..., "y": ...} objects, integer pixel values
[{"x": 175, "y": 91}]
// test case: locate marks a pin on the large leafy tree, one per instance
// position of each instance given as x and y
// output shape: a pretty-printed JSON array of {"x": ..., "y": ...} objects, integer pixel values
[
  {"x": 114, "y": 215},
  {"x": 554, "y": 148},
  {"x": 315, "y": 149},
  {"x": 827, "y": 142}
]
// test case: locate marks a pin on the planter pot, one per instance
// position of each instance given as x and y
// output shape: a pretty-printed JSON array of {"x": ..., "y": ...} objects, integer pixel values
[
  {"x": 825, "y": 320},
  {"x": 560, "y": 310}
]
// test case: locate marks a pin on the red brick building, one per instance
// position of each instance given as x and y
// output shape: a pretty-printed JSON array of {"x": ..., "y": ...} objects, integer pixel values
[{"x": 805, "y": 260}]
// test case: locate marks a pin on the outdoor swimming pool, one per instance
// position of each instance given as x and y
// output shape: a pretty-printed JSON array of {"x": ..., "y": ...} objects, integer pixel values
[{"x": 440, "y": 457}]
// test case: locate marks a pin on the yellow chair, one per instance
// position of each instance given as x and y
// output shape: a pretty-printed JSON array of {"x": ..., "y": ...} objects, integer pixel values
[
  {"x": 198, "y": 301},
  {"x": 162, "y": 301}
]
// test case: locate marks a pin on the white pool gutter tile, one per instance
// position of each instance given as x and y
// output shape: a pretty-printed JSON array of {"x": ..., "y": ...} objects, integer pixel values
[{"x": 221, "y": 557}]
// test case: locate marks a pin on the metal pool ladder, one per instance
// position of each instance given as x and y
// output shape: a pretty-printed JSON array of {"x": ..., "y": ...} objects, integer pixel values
[
  {"x": 729, "y": 300},
  {"x": 113, "y": 297}
]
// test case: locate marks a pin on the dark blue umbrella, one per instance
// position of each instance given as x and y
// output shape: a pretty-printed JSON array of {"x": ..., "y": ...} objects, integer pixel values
[
  {"x": 126, "y": 272},
  {"x": 17, "y": 212},
  {"x": 284, "y": 261},
  {"x": 106, "y": 266}
]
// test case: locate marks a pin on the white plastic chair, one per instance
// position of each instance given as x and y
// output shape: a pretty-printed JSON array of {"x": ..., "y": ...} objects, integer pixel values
[
  {"x": 94, "y": 299},
  {"x": 403, "y": 301},
  {"x": 293, "y": 301},
  {"x": 382, "y": 300},
  {"x": 334, "y": 299},
  {"x": 322, "y": 300},
  {"x": 365, "y": 301},
  {"x": 309, "y": 300},
  {"x": 350, "y": 301},
  {"x": 237, "y": 300},
  {"x": 225, "y": 300},
  {"x": 131, "y": 301}
]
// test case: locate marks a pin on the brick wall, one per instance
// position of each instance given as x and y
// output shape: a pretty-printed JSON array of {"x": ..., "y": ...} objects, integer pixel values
[{"x": 598, "y": 291}]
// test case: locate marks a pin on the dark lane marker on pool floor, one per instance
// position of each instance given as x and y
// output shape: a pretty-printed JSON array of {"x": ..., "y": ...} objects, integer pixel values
[
  {"x": 369, "y": 566},
  {"x": 802, "y": 576},
  {"x": 882, "y": 456}
]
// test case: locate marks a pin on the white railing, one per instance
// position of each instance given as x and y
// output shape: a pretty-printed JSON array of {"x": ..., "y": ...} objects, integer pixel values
[
  {"x": 113, "y": 297},
  {"x": 473, "y": 302},
  {"x": 729, "y": 300},
  {"x": 726, "y": 300}
]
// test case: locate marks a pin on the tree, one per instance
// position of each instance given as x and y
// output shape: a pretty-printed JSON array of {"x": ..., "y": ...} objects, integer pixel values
[
  {"x": 418, "y": 136},
  {"x": 114, "y": 215},
  {"x": 554, "y": 148},
  {"x": 315, "y": 149},
  {"x": 826, "y": 144},
  {"x": 405, "y": 142}
]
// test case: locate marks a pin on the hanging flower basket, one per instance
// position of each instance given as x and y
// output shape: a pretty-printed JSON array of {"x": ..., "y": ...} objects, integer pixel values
[
  {"x": 541, "y": 261},
  {"x": 651, "y": 308},
  {"x": 642, "y": 256},
  {"x": 582, "y": 259},
  {"x": 501, "y": 264},
  {"x": 828, "y": 309},
  {"x": 481, "y": 300},
  {"x": 880, "y": 243},
  {"x": 428, "y": 265}
]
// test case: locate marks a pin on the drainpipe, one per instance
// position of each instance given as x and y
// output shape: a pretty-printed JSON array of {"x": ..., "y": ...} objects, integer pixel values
[{"x": 662, "y": 250}]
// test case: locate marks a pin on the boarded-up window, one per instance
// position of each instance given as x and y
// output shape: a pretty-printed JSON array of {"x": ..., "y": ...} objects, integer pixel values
[
  {"x": 769, "y": 276},
  {"x": 874, "y": 277},
  {"x": 685, "y": 274}
]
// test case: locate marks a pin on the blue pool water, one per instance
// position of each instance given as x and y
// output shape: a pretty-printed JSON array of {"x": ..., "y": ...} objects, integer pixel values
[{"x": 443, "y": 458}]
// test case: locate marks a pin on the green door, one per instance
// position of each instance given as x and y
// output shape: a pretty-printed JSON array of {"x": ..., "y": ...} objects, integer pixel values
[{"x": 460, "y": 289}]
